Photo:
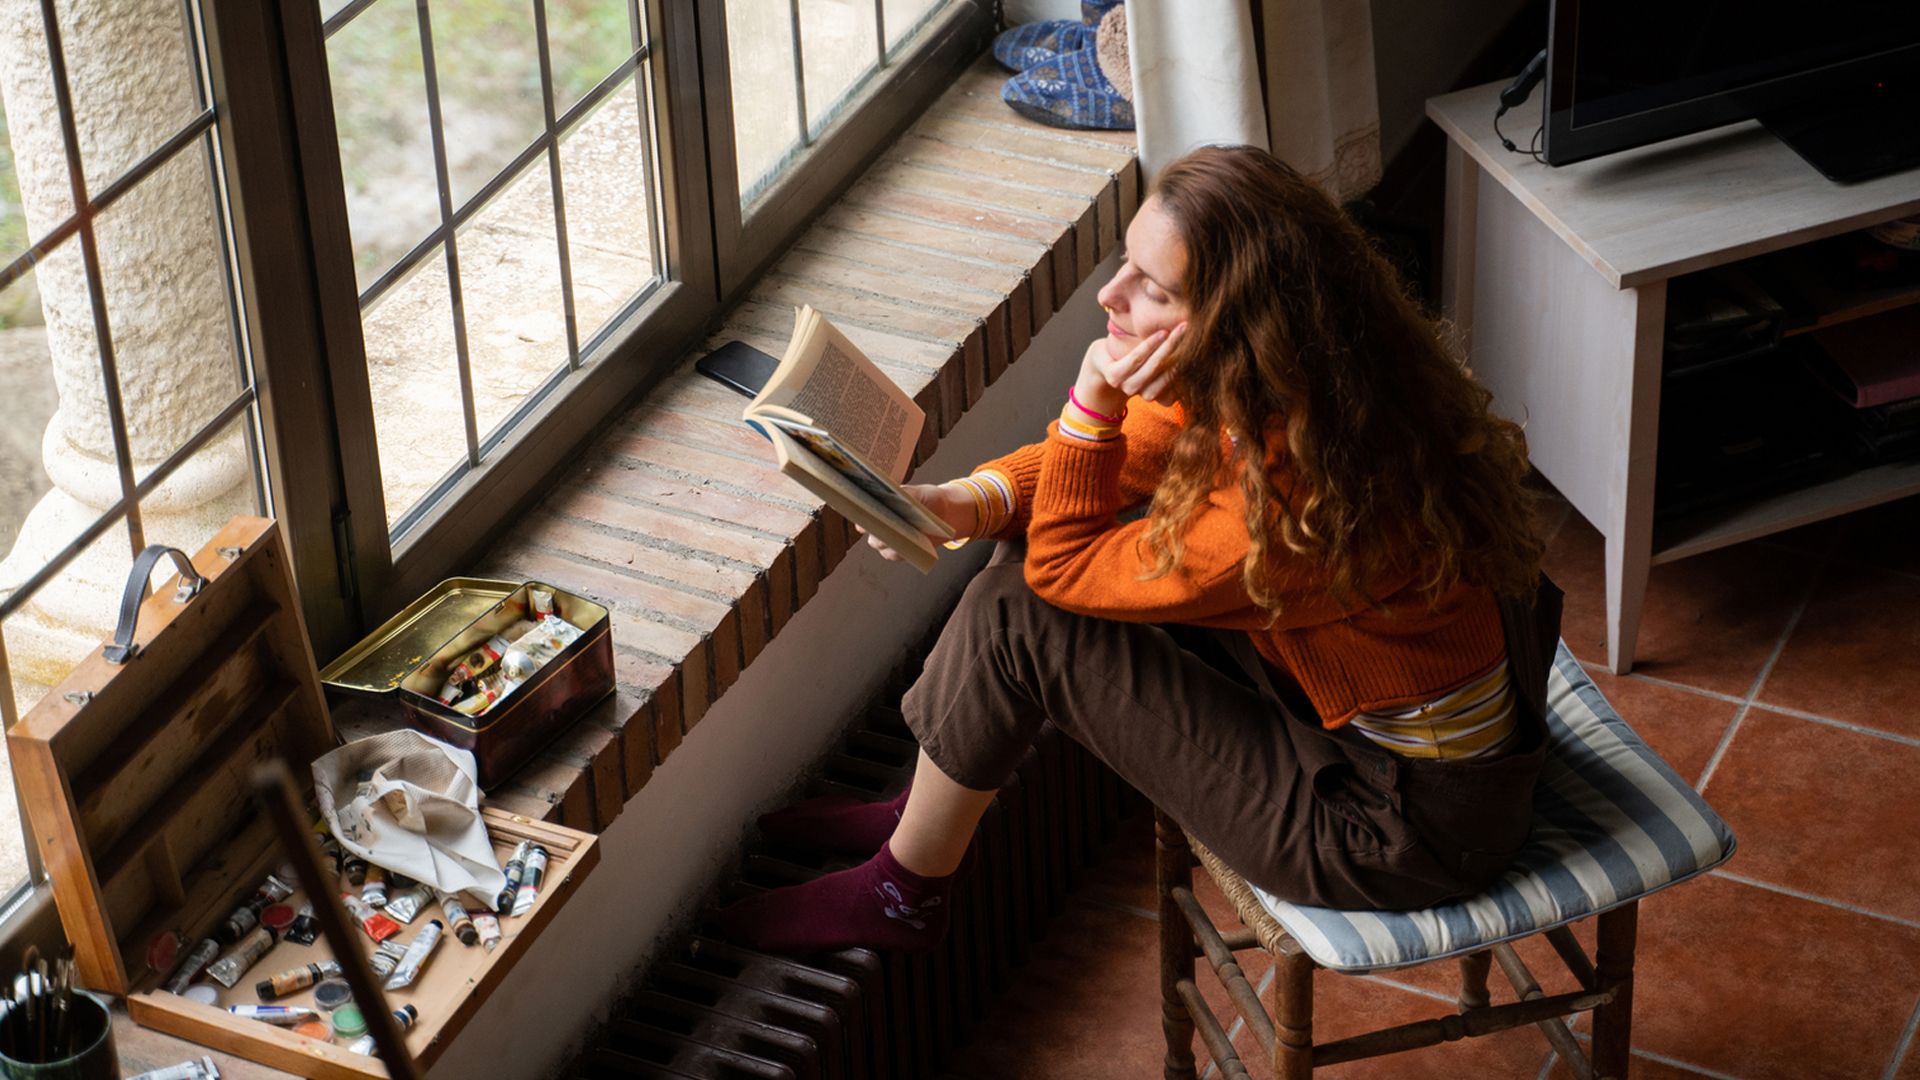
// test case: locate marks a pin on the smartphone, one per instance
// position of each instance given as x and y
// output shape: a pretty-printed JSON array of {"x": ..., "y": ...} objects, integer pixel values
[{"x": 738, "y": 366}]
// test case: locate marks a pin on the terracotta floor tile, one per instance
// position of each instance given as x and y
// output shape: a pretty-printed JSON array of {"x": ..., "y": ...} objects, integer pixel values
[
  {"x": 1638, "y": 1068},
  {"x": 1852, "y": 655},
  {"x": 1823, "y": 810},
  {"x": 1086, "y": 1007},
  {"x": 1910, "y": 1065},
  {"x": 1759, "y": 985},
  {"x": 1683, "y": 728},
  {"x": 1710, "y": 621}
]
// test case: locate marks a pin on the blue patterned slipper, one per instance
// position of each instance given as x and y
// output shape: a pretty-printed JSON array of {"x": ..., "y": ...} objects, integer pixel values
[
  {"x": 1092, "y": 11},
  {"x": 1018, "y": 48},
  {"x": 1069, "y": 91}
]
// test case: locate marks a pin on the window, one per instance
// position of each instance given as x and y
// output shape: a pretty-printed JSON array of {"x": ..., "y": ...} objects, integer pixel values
[
  {"x": 133, "y": 416},
  {"x": 377, "y": 267}
]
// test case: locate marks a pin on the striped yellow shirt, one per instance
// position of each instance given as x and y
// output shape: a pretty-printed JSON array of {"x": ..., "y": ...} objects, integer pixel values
[{"x": 1470, "y": 721}]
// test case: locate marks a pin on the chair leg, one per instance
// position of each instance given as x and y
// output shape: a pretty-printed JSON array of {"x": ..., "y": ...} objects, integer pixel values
[
  {"x": 1290, "y": 999},
  {"x": 1613, "y": 1023},
  {"x": 1473, "y": 979},
  {"x": 1173, "y": 868}
]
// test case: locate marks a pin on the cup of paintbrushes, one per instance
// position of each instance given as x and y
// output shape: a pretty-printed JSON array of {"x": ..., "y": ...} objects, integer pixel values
[{"x": 51, "y": 1031}]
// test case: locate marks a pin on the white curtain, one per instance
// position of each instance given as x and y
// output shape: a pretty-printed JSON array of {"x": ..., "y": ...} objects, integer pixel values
[{"x": 1197, "y": 81}]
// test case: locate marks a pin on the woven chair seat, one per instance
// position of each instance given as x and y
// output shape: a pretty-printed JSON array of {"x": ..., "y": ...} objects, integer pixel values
[{"x": 1612, "y": 823}]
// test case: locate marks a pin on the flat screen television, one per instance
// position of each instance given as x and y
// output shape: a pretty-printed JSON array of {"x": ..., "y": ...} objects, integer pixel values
[{"x": 1839, "y": 80}]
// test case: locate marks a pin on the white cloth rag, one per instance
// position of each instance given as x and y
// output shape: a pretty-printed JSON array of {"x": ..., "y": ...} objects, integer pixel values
[{"x": 417, "y": 813}]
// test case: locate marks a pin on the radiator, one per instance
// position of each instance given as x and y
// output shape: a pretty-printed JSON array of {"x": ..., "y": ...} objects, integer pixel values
[{"x": 711, "y": 1009}]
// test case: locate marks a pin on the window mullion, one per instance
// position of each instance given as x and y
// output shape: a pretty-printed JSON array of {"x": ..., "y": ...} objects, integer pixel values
[
  {"x": 437, "y": 131},
  {"x": 96, "y": 294},
  {"x": 553, "y": 175}
]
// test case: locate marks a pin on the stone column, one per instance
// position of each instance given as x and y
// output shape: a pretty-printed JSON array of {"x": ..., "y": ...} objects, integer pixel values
[{"x": 132, "y": 84}]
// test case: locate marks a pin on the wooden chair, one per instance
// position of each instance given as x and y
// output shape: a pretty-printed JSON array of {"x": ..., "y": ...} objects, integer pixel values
[{"x": 1612, "y": 823}]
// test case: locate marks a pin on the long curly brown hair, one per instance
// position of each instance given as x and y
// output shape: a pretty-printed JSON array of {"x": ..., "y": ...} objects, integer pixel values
[{"x": 1302, "y": 331}]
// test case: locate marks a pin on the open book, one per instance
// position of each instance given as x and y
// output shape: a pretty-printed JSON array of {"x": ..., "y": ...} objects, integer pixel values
[{"x": 842, "y": 430}]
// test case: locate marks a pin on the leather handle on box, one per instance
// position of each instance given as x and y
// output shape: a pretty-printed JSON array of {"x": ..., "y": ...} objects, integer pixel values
[{"x": 191, "y": 582}]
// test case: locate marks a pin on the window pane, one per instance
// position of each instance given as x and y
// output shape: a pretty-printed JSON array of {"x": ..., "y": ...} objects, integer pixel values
[
  {"x": 164, "y": 273},
  {"x": 386, "y": 151},
  {"x": 413, "y": 376},
  {"x": 510, "y": 284},
  {"x": 610, "y": 235},
  {"x": 34, "y": 192},
  {"x": 586, "y": 39},
  {"x": 904, "y": 18},
  {"x": 839, "y": 49},
  {"x": 133, "y": 78},
  {"x": 27, "y": 386},
  {"x": 488, "y": 67},
  {"x": 766, "y": 121}
]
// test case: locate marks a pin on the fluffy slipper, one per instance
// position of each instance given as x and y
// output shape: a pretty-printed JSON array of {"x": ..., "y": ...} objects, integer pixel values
[
  {"x": 1020, "y": 47},
  {"x": 1069, "y": 91}
]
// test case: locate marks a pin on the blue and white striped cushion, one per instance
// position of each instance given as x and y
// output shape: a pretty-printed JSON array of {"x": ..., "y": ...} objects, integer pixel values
[{"x": 1612, "y": 822}]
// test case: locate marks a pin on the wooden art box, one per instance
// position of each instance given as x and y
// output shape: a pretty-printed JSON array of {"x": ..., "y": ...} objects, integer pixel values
[
  {"x": 408, "y": 659},
  {"x": 136, "y": 778}
]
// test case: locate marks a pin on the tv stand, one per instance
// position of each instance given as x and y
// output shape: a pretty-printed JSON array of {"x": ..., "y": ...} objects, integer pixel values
[
  {"x": 1857, "y": 134},
  {"x": 1557, "y": 279}
]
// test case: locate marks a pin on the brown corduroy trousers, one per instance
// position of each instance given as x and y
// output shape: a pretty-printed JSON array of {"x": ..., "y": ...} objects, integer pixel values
[{"x": 1192, "y": 718}]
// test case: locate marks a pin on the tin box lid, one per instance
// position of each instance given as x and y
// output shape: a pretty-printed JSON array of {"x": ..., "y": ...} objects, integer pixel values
[{"x": 383, "y": 659}]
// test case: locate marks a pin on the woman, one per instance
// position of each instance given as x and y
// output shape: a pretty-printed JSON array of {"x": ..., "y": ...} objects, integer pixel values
[{"x": 1298, "y": 653}]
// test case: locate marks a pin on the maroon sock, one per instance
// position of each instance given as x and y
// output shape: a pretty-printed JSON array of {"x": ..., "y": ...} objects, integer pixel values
[
  {"x": 878, "y": 904},
  {"x": 835, "y": 823}
]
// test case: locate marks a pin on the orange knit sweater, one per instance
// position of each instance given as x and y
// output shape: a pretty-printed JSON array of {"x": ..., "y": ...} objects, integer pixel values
[{"x": 1068, "y": 494}]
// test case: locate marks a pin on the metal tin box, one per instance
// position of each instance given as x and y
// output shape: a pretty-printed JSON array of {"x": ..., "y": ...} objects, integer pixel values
[{"x": 409, "y": 657}]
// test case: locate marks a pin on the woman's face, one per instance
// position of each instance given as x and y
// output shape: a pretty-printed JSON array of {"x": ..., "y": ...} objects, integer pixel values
[{"x": 1144, "y": 296}]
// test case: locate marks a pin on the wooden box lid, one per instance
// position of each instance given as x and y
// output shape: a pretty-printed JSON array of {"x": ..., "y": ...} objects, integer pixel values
[{"x": 136, "y": 777}]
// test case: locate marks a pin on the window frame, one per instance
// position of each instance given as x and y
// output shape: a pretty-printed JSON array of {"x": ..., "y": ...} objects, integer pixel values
[
  {"x": 749, "y": 238},
  {"x": 375, "y": 575}
]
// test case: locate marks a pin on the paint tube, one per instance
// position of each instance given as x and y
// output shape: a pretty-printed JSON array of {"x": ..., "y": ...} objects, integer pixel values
[
  {"x": 305, "y": 929},
  {"x": 539, "y": 603},
  {"x": 457, "y": 917},
  {"x": 355, "y": 869},
  {"x": 487, "y": 925},
  {"x": 294, "y": 980},
  {"x": 490, "y": 688},
  {"x": 247, "y": 915},
  {"x": 387, "y": 957},
  {"x": 377, "y": 926},
  {"x": 204, "y": 1069},
  {"x": 476, "y": 663},
  {"x": 405, "y": 1016},
  {"x": 529, "y": 890},
  {"x": 278, "y": 1015},
  {"x": 416, "y": 958},
  {"x": 227, "y": 970},
  {"x": 516, "y": 865},
  {"x": 195, "y": 963},
  {"x": 548, "y": 638},
  {"x": 374, "y": 889},
  {"x": 407, "y": 903}
]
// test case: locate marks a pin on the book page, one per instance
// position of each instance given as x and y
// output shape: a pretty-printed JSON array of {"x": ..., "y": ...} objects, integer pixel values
[{"x": 826, "y": 379}]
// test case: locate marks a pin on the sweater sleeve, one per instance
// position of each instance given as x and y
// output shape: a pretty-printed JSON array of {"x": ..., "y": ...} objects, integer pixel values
[
  {"x": 1080, "y": 558},
  {"x": 1149, "y": 429}
]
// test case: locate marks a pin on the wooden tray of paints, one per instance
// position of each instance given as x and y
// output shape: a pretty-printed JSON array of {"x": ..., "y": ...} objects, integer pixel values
[{"x": 136, "y": 779}]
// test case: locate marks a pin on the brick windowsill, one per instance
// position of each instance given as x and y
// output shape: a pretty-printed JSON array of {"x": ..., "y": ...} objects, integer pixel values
[{"x": 941, "y": 263}]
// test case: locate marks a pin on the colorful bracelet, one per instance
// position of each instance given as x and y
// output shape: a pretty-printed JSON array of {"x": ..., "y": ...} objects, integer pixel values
[{"x": 1103, "y": 418}]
